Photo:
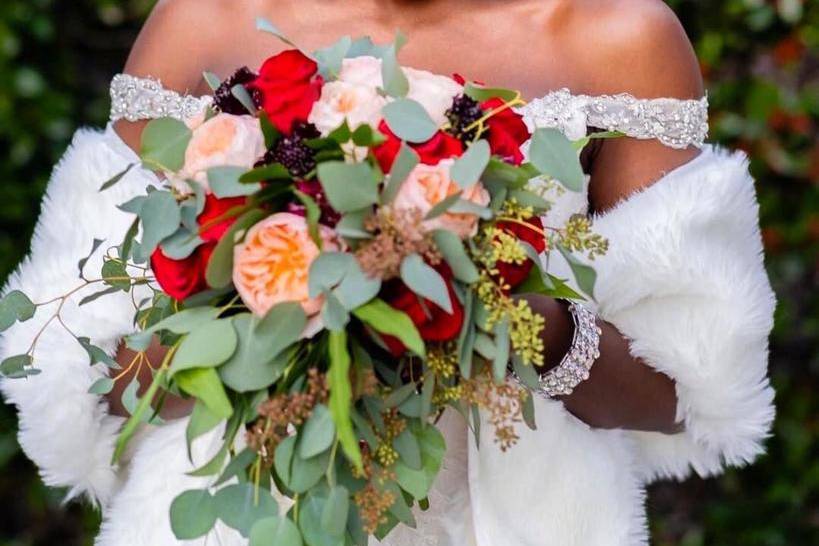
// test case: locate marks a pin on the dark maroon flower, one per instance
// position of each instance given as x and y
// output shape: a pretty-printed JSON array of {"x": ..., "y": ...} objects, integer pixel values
[{"x": 223, "y": 97}]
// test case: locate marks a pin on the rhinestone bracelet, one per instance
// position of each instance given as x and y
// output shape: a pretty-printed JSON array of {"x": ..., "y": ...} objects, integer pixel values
[{"x": 578, "y": 361}]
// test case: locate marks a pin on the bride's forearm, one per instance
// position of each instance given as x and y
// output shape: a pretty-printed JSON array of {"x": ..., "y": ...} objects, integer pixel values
[{"x": 622, "y": 391}]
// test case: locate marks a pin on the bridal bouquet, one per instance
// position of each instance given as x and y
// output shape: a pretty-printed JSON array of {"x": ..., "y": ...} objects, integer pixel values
[{"x": 332, "y": 260}]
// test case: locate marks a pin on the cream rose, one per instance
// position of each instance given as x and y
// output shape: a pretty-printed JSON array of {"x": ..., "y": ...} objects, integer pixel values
[
  {"x": 223, "y": 140},
  {"x": 272, "y": 264},
  {"x": 433, "y": 91},
  {"x": 428, "y": 185}
]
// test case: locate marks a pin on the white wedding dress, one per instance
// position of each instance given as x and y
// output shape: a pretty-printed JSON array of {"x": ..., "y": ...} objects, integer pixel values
[{"x": 683, "y": 280}]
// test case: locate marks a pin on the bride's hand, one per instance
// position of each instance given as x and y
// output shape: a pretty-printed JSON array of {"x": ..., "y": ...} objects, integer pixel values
[{"x": 173, "y": 407}]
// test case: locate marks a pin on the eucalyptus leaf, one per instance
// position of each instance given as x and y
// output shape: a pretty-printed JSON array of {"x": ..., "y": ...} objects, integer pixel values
[
  {"x": 114, "y": 180},
  {"x": 407, "y": 447},
  {"x": 409, "y": 121},
  {"x": 395, "y": 81},
  {"x": 306, "y": 473},
  {"x": 212, "y": 80},
  {"x": 334, "y": 316},
  {"x": 202, "y": 421},
  {"x": 383, "y": 318},
  {"x": 502, "y": 346},
  {"x": 310, "y": 522},
  {"x": 193, "y": 514},
  {"x": 160, "y": 217},
  {"x": 259, "y": 359},
  {"x": 481, "y": 93},
  {"x": 241, "y": 94},
  {"x": 554, "y": 155},
  {"x": 418, "y": 482},
  {"x": 283, "y": 458},
  {"x": 265, "y": 25},
  {"x": 164, "y": 142},
  {"x": 467, "y": 169},
  {"x": 95, "y": 354},
  {"x": 224, "y": 182},
  {"x": 318, "y": 433},
  {"x": 275, "y": 531},
  {"x": 330, "y": 58},
  {"x": 103, "y": 385},
  {"x": 15, "y": 307},
  {"x": 443, "y": 206},
  {"x": 207, "y": 346},
  {"x": 584, "y": 274},
  {"x": 241, "y": 505},
  {"x": 16, "y": 367},
  {"x": 336, "y": 510},
  {"x": 452, "y": 248},
  {"x": 348, "y": 186},
  {"x": 425, "y": 281},
  {"x": 80, "y": 266},
  {"x": 406, "y": 160}
]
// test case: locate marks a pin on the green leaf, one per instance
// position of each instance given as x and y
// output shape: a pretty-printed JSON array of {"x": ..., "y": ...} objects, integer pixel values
[
  {"x": 115, "y": 275},
  {"x": 15, "y": 367},
  {"x": 481, "y": 94},
  {"x": 327, "y": 270},
  {"x": 164, "y": 142},
  {"x": 305, "y": 473},
  {"x": 219, "y": 272},
  {"x": 98, "y": 294},
  {"x": 201, "y": 422},
  {"x": 526, "y": 373},
  {"x": 336, "y": 510},
  {"x": 395, "y": 81},
  {"x": 241, "y": 94},
  {"x": 258, "y": 360},
  {"x": 275, "y": 531},
  {"x": 283, "y": 458},
  {"x": 318, "y": 433},
  {"x": 501, "y": 361},
  {"x": 418, "y": 482},
  {"x": 330, "y": 58},
  {"x": 274, "y": 171},
  {"x": 237, "y": 466},
  {"x": 265, "y": 25},
  {"x": 407, "y": 447},
  {"x": 138, "y": 415},
  {"x": 462, "y": 206},
  {"x": 406, "y": 160},
  {"x": 80, "y": 266},
  {"x": 310, "y": 518},
  {"x": 554, "y": 155},
  {"x": 224, "y": 182},
  {"x": 334, "y": 316},
  {"x": 270, "y": 132},
  {"x": 365, "y": 135},
  {"x": 181, "y": 244},
  {"x": 341, "y": 396},
  {"x": 468, "y": 168},
  {"x": 212, "y": 80},
  {"x": 95, "y": 354},
  {"x": 193, "y": 514},
  {"x": 15, "y": 306},
  {"x": 356, "y": 288},
  {"x": 383, "y": 318},
  {"x": 452, "y": 248},
  {"x": 500, "y": 173},
  {"x": 204, "y": 384},
  {"x": 114, "y": 180},
  {"x": 160, "y": 218},
  {"x": 425, "y": 281},
  {"x": 348, "y": 186},
  {"x": 351, "y": 225},
  {"x": 409, "y": 120},
  {"x": 207, "y": 346},
  {"x": 103, "y": 385},
  {"x": 400, "y": 395},
  {"x": 585, "y": 275},
  {"x": 241, "y": 505},
  {"x": 313, "y": 212},
  {"x": 466, "y": 338},
  {"x": 443, "y": 206}
]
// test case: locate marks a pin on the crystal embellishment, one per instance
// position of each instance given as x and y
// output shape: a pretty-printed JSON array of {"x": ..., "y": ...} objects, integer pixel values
[
  {"x": 676, "y": 123},
  {"x": 135, "y": 99}
]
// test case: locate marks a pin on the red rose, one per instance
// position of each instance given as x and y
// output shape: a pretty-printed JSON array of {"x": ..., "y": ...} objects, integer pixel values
[
  {"x": 514, "y": 274},
  {"x": 507, "y": 132},
  {"x": 440, "y": 146},
  {"x": 182, "y": 278},
  {"x": 286, "y": 88},
  {"x": 433, "y": 323}
]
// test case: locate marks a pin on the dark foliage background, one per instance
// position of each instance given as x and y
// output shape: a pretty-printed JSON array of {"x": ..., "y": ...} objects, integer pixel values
[{"x": 761, "y": 62}]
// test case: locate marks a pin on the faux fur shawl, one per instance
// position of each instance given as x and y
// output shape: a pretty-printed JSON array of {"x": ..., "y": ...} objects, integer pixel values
[{"x": 683, "y": 280}]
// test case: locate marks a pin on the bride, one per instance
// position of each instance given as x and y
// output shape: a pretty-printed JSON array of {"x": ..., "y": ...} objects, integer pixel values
[{"x": 682, "y": 298}]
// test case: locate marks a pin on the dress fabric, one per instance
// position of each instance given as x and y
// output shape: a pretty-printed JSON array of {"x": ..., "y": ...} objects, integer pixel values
[{"x": 683, "y": 280}]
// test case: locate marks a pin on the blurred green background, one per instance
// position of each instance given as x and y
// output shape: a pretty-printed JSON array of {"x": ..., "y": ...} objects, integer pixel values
[{"x": 761, "y": 62}]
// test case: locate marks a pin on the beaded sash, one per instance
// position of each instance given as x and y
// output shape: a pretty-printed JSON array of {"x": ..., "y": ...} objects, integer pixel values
[{"x": 674, "y": 122}]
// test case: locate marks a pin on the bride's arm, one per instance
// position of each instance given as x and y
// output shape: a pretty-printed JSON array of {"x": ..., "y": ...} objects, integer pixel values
[{"x": 625, "y": 389}]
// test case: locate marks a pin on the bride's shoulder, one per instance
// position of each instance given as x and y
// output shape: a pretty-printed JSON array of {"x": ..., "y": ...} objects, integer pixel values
[{"x": 638, "y": 46}]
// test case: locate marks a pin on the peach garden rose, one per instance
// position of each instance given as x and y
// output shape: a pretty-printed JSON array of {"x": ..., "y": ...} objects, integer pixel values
[
  {"x": 223, "y": 140},
  {"x": 428, "y": 185},
  {"x": 271, "y": 266}
]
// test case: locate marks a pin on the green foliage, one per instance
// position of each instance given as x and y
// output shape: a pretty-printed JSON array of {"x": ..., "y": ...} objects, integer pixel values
[{"x": 759, "y": 58}]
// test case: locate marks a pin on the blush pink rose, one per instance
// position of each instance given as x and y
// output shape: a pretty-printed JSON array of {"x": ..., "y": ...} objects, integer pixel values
[
  {"x": 428, "y": 185},
  {"x": 271, "y": 265},
  {"x": 223, "y": 140}
]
